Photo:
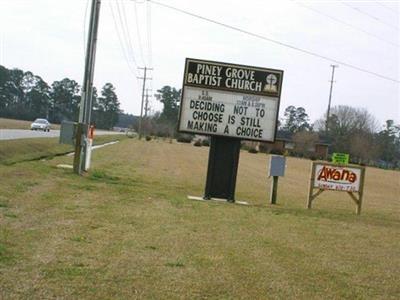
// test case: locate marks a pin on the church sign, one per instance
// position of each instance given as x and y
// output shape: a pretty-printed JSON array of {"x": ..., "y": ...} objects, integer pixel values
[{"x": 230, "y": 100}]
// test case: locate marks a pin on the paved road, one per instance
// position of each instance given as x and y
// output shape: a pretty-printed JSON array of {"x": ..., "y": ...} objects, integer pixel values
[{"x": 12, "y": 134}]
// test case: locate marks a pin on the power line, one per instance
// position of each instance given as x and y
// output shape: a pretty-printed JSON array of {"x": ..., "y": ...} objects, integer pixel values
[
  {"x": 139, "y": 35},
  {"x": 276, "y": 41},
  {"x": 148, "y": 35},
  {"x": 370, "y": 16},
  {"x": 344, "y": 23},
  {"x": 125, "y": 31},
  {"x": 121, "y": 43},
  {"x": 148, "y": 27},
  {"x": 129, "y": 33},
  {"x": 388, "y": 8},
  {"x": 128, "y": 44}
]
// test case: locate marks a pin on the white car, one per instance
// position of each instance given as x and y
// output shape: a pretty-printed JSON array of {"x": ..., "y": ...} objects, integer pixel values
[{"x": 40, "y": 124}]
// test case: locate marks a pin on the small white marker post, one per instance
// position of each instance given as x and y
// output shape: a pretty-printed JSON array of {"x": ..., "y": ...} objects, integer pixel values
[{"x": 89, "y": 147}]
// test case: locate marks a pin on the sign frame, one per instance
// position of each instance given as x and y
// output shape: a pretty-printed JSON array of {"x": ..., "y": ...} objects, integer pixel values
[
  {"x": 276, "y": 95},
  {"x": 357, "y": 200}
]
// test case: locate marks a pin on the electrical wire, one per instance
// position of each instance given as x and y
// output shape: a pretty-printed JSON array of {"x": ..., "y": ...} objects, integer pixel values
[
  {"x": 125, "y": 47},
  {"x": 265, "y": 38},
  {"x": 126, "y": 32},
  {"x": 387, "y": 8},
  {"x": 148, "y": 45},
  {"x": 139, "y": 35},
  {"x": 133, "y": 70},
  {"x": 149, "y": 41},
  {"x": 345, "y": 23},
  {"x": 370, "y": 16}
]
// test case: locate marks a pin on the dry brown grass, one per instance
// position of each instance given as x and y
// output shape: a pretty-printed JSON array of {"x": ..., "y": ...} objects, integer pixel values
[
  {"x": 20, "y": 124},
  {"x": 126, "y": 230},
  {"x": 13, "y": 151}
]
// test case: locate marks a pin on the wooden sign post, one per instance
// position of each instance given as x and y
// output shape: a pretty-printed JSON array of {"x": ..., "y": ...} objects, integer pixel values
[{"x": 327, "y": 176}]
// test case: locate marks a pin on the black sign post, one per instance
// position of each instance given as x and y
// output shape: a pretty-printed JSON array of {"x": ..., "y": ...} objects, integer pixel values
[
  {"x": 230, "y": 103},
  {"x": 223, "y": 161}
]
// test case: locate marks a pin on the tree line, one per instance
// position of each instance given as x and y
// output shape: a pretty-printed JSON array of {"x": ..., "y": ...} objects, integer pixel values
[
  {"x": 349, "y": 130},
  {"x": 26, "y": 96}
]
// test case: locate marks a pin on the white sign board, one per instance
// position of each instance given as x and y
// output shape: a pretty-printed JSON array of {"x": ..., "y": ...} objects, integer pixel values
[
  {"x": 331, "y": 177},
  {"x": 230, "y": 100}
]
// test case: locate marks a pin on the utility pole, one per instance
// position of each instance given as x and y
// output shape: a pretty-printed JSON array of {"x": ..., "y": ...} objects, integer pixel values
[
  {"x": 141, "y": 106},
  {"x": 330, "y": 98},
  {"x": 85, "y": 111},
  {"x": 146, "y": 110},
  {"x": 146, "y": 106}
]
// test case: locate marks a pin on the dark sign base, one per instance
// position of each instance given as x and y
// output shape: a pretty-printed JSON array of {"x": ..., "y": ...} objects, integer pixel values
[{"x": 223, "y": 163}]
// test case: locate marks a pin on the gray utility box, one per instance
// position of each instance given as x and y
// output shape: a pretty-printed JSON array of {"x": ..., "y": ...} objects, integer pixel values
[
  {"x": 277, "y": 165},
  {"x": 68, "y": 132}
]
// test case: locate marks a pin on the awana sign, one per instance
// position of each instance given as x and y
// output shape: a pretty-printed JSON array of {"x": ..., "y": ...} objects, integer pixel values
[
  {"x": 327, "y": 176},
  {"x": 331, "y": 177},
  {"x": 230, "y": 100}
]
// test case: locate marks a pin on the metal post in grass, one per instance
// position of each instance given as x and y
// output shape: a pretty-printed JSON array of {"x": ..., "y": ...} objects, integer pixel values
[
  {"x": 277, "y": 166},
  {"x": 274, "y": 189}
]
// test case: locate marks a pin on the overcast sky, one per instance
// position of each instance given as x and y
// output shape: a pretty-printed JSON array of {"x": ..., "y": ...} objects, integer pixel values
[{"x": 47, "y": 38}]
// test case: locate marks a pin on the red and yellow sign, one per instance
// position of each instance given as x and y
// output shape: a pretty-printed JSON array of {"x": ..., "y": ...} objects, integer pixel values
[
  {"x": 331, "y": 177},
  {"x": 326, "y": 176}
]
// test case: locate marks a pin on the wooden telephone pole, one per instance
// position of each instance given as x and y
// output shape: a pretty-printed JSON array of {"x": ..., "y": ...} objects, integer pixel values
[
  {"x": 143, "y": 95},
  {"x": 330, "y": 98},
  {"x": 85, "y": 110},
  {"x": 146, "y": 105}
]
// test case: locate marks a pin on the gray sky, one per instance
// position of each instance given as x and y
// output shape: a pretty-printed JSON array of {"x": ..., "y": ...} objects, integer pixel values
[{"x": 47, "y": 38}]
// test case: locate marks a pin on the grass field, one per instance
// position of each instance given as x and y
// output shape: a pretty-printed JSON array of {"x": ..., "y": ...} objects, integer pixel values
[
  {"x": 126, "y": 230},
  {"x": 20, "y": 124},
  {"x": 13, "y": 151}
]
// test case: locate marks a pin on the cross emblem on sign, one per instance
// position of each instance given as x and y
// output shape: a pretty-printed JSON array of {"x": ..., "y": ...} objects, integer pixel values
[
  {"x": 271, "y": 79},
  {"x": 271, "y": 83}
]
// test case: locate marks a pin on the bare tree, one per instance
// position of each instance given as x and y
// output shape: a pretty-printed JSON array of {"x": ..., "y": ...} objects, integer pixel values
[
  {"x": 363, "y": 147},
  {"x": 345, "y": 119},
  {"x": 305, "y": 142},
  {"x": 350, "y": 130}
]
